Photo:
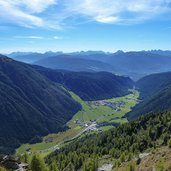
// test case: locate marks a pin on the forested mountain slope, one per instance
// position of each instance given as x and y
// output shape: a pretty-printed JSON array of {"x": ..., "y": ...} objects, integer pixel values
[
  {"x": 155, "y": 94},
  {"x": 153, "y": 83},
  {"x": 30, "y": 104},
  {"x": 90, "y": 86},
  {"x": 122, "y": 143}
]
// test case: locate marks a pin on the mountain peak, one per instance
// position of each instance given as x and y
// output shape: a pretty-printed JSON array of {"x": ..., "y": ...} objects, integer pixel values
[
  {"x": 119, "y": 52},
  {"x": 5, "y": 59}
]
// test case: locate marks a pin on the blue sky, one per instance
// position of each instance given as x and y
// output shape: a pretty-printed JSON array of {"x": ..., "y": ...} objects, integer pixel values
[{"x": 75, "y": 25}]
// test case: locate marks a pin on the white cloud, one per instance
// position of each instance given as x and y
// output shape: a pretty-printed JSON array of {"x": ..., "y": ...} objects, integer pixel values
[
  {"x": 38, "y": 37},
  {"x": 107, "y": 19},
  {"x": 37, "y": 13},
  {"x": 57, "y": 38},
  {"x": 23, "y": 12},
  {"x": 118, "y": 11},
  {"x": 36, "y": 6},
  {"x": 29, "y": 37},
  {"x": 31, "y": 6}
]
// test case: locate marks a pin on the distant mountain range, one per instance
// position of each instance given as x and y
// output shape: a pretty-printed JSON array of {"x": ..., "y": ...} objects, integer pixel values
[
  {"x": 31, "y": 57},
  {"x": 161, "y": 52},
  {"x": 134, "y": 64},
  {"x": 139, "y": 64},
  {"x": 67, "y": 62}
]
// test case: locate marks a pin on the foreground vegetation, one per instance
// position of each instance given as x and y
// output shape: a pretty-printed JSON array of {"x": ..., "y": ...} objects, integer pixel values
[
  {"x": 148, "y": 136},
  {"x": 120, "y": 144}
]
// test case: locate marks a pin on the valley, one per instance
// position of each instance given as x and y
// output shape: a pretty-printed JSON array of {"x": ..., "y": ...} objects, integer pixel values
[
  {"x": 82, "y": 107},
  {"x": 95, "y": 116},
  {"x": 85, "y": 85}
]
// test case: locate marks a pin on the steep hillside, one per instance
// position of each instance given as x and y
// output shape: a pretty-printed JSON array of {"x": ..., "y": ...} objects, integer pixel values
[
  {"x": 118, "y": 145},
  {"x": 90, "y": 86},
  {"x": 72, "y": 63},
  {"x": 155, "y": 94},
  {"x": 30, "y": 104},
  {"x": 154, "y": 83}
]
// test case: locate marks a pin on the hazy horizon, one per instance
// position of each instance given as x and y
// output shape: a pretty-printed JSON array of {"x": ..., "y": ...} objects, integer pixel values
[{"x": 100, "y": 51}]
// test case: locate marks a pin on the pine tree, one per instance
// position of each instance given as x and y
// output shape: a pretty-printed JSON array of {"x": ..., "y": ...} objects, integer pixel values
[
  {"x": 54, "y": 166},
  {"x": 122, "y": 158},
  {"x": 25, "y": 158},
  {"x": 70, "y": 167},
  {"x": 90, "y": 165},
  {"x": 37, "y": 163},
  {"x": 130, "y": 156}
]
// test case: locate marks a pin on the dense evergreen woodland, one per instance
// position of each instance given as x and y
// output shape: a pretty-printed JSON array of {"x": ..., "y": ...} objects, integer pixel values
[
  {"x": 155, "y": 94},
  {"x": 121, "y": 143},
  {"x": 90, "y": 85},
  {"x": 30, "y": 105}
]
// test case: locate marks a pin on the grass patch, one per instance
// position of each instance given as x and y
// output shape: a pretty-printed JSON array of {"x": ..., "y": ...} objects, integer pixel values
[{"x": 94, "y": 110}]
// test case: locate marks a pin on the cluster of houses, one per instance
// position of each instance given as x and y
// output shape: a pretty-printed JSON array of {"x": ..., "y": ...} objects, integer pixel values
[
  {"x": 88, "y": 126},
  {"x": 85, "y": 124},
  {"x": 113, "y": 105},
  {"x": 78, "y": 122}
]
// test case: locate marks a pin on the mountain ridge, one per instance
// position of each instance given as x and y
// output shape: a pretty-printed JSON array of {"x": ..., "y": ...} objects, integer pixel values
[
  {"x": 135, "y": 64},
  {"x": 90, "y": 86},
  {"x": 155, "y": 94}
]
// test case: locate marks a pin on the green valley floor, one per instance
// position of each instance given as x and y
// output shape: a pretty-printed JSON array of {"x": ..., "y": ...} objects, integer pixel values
[{"x": 95, "y": 116}]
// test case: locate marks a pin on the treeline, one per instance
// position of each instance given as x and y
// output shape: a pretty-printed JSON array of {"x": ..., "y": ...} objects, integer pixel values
[{"x": 121, "y": 143}]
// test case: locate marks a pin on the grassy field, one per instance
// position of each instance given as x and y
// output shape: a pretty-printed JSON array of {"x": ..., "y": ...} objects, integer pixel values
[
  {"x": 94, "y": 110},
  {"x": 49, "y": 141},
  {"x": 102, "y": 113}
]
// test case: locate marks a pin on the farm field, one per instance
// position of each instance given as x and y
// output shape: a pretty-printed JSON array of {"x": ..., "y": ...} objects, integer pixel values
[
  {"x": 104, "y": 114},
  {"x": 106, "y": 110}
]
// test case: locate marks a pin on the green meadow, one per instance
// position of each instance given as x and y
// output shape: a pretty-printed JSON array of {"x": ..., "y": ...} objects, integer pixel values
[{"x": 91, "y": 111}]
